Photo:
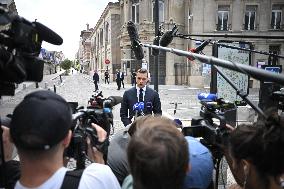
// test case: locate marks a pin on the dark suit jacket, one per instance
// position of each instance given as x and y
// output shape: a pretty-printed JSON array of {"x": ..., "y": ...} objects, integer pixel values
[
  {"x": 96, "y": 77},
  {"x": 130, "y": 98}
]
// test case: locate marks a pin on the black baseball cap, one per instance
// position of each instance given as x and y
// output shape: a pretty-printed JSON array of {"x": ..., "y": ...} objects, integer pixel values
[{"x": 40, "y": 121}]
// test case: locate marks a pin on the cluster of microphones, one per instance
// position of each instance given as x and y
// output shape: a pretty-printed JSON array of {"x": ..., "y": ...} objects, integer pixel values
[
  {"x": 139, "y": 108},
  {"x": 163, "y": 41}
]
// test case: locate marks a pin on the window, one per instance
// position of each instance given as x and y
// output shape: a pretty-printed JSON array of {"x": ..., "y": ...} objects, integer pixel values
[
  {"x": 107, "y": 33},
  {"x": 276, "y": 17},
  {"x": 95, "y": 44},
  {"x": 275, "y": 49},
  {"x": 98, "y": 42},
  {"x": 250, "y": 16},
  {"x": 161, "y": 11},
  {"x": 101, "y": 37},
  {"x": 135, "y": 12},
  {"x": 223, "y": 18}
]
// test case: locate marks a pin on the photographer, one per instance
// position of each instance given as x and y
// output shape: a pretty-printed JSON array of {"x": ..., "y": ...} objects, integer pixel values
[
  {"x": 255, "y": 154},
  {"x": 40, "y": 130}
]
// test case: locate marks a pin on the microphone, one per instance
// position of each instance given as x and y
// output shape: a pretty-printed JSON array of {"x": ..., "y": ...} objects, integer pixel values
[
  {"x": 149, "y": 106},
  {"x": 138, "y": 108},
  {"x": 207, "y": 97},
  {"x": 200, "y": 47},
  {"x": 168, "y": 37},
  {"x": 112, "y": 101},
  {"x": 44, "y": 32},
  {"x": 141, "y": 106},
  {"x": 47, "y": 34},
  {"x": 134, "y": 38}
]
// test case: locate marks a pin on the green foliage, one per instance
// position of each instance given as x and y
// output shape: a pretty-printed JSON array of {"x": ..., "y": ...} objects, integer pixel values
[{"x": 66, "y": 64}]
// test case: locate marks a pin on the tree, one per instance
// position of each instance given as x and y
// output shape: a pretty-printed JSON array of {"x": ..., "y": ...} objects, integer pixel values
[{"x": 66, "y": 64}]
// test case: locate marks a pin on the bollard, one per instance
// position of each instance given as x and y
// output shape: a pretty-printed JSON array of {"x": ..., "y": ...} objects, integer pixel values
[
  {"x": 45, "y": 85},
  {"x": 36, "y": 84},
  {"x": 24, "y": 86},
  {"x": 54, "y": 88},
  {"x": 60, "y": 78}
]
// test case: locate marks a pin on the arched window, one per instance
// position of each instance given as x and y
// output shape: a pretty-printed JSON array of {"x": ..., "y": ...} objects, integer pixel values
[
  {"x": 161, "y": 11},
  {"x": 107, "y": 32},
  {"x": 135, "y": 11},
  {"x": 101, "y": 37}
]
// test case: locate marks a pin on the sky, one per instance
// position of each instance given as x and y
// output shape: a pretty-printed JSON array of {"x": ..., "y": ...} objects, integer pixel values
[{"x": 66, "y": 17}]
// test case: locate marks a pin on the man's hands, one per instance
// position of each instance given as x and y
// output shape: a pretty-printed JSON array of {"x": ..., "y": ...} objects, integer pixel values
[{"x": 94, "y": 154}]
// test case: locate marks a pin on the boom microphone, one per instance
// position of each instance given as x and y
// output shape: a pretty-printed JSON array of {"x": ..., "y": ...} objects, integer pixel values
[
  {"x": 200, "y": 47},
  {"x": 112, "y": 101},
  {"x": 134, "y": 38},
  {"x": 168, "y": 37},
  {"x": 47, "y": 34}
]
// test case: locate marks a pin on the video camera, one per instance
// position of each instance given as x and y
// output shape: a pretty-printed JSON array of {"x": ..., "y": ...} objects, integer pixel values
[
  {"x": 213, "y": 133},
  {"x": 81, "y": 128},
  {"x": 20, "y": 45}
]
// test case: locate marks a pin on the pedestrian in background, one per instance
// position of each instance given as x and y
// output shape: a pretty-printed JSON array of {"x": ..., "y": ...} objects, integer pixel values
[
  {"x": 106, "y": 77},
  {"x": 118, "y": 81},
  {"x": 96, "y": 79},
  {"x": 122, "y": 78},
  {"x": 133, "y": 77}
]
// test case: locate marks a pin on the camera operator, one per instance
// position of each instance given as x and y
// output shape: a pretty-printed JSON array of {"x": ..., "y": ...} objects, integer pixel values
[
  {"x": 255, "y": 154},
  {"x": 40, "y": 130}
]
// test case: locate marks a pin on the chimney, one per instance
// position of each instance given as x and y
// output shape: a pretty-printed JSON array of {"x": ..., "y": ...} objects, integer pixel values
[{"x": 87, "y": 27}]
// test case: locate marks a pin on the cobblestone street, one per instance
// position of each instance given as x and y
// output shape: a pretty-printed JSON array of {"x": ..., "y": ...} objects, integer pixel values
[{"x": 79, "y": 88}]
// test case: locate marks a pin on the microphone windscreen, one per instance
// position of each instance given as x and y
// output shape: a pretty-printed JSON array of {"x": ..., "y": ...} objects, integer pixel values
[
  {"x": 135, "y": 106},
  {"x": 132, "y": 31},
  {"x": 141, "y": 106},
  {"x": 166, "y": 38},
  {"x": 115, "y": 100},
  {"x": 207, "y": 96},
  {"x": 137, "y": 49},
  {"x": 202, "y": 46},
  {"x": 47, "y": 34}
]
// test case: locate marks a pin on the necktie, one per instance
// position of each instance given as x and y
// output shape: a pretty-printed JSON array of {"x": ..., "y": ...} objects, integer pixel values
[{"x": 141, "y": 95}]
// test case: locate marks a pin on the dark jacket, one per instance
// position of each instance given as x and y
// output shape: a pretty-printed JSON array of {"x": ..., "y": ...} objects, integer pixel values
[
  {"x": 130, "y": 98},
  {"x": 96, "y": 77}
]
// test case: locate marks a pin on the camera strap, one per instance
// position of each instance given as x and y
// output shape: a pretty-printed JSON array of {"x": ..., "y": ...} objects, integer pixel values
[{"x": 72, "y": 179}]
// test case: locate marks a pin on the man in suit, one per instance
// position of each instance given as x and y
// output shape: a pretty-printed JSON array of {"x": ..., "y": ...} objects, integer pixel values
[
  {"x": 118, "y": 81},
  {"x": 139, "y": 93},
  {"x": 106, "y": 77},
  {"x": 133, "y": 77},
  {"x": 122, "y": 78},
  {"x": 96, "y": 79}
]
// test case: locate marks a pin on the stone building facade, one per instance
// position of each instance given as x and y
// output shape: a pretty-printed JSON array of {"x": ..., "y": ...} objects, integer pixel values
[
  {"x": 84, "y": 53},
  {"x": 105, "y": 50},
  {"x": 242, "y": 17}
]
